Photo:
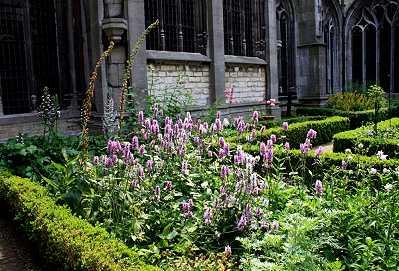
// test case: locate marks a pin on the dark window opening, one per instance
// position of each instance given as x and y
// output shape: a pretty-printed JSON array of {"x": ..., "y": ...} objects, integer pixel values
[
  {"x": 244, "y": 27},
  {"x": 30, "y": 54},
  {"x": 182, "y": 25},
  {"x": 285, "y": 48}
]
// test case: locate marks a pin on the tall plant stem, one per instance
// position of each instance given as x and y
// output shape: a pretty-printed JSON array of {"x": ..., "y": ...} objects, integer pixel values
[
  {"x": 87, "y": 102},
  {"x": 129, "y": 65}
]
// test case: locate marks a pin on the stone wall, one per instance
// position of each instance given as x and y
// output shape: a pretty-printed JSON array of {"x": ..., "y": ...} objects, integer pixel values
[
  {"x": 11, "y": 126},
  {"x": 248, "y": 82},
  {"x": 192, "y": 79}
]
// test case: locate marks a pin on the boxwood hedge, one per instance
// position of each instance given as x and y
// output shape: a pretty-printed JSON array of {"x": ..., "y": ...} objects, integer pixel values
[
  {"x": 296, "y": 133},
  {"x": 327, "y": 159},
  {"x": 356, "y": 118},
  {"x": 65, "y": 241},
  {"x": 350, "y": 139}
]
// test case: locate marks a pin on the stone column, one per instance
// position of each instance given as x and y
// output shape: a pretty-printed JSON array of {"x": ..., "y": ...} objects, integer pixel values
[
  {"x": 115, "y": 26},
  {"x": 136, "y": 26},
  {"x": 1, "y": 106},
  {"x": 216, "y": 50},
  {"x": 271, "y": 56},
  {"x": 311, "y": 60}
]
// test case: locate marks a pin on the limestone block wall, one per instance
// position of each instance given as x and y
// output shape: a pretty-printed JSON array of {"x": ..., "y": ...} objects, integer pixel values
[
  {"x": 193, "y": 79},
  {"x": 247, "y": 82}
]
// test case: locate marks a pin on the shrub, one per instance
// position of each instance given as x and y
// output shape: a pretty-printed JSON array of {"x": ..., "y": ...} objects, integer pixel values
[
  {"x": 386, "y": 139},
  {"x": 65, "y": 240},
  {"x": 356, "y": 118},
  {"x": 350, "y": 101},
  {"x": 297, "y": 132}
]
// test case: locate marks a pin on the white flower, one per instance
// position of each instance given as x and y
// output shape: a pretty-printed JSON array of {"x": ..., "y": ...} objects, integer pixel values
[
  {"x": 348, "y": 151},
  {"x": 360, "y": 146},
  {"x": 373, "y": 171},
  {"x": 226, "y": 122},
  {"x": 385, "y": 170},
  {"x": 381, "y": 155},
  {"x": 388, "y": 187}
]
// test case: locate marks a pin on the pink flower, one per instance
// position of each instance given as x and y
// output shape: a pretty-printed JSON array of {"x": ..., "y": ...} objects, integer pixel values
[
  {"x": 287, "y": 146},
  {"x": 273, "y": 138},
  {"x": 255, "y": 116},
  {"x": 285, "y": 126},
  {"x": 318, "y": 188},
  {"x": 140, "y": 117},
  {"x": 208, "y": 216},
  {"x": 319, "y": 151},
  {"x": 227, "y": 251},
  {"x": 311, "y": 134}
]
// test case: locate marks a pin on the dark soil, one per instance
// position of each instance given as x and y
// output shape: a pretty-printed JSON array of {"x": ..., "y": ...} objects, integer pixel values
[{"x": 16, "y": 253}]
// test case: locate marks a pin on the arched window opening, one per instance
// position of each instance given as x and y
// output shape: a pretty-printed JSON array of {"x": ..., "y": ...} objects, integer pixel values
[
  {"x": 244, "y": 27},
  {"x": 331, "y": 41},
  {"x": 374, "y": 43},
  {"x": 182, "y": 25},
  {"x": 285, "y": 47}
]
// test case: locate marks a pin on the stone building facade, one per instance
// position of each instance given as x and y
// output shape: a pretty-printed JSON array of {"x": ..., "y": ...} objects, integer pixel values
[{"x": 253, "y": 49}]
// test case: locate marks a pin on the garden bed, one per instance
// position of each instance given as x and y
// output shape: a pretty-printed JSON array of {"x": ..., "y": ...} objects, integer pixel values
[
  {"x": 386, "y": 139},
  {"x": 296, "y": 133}
]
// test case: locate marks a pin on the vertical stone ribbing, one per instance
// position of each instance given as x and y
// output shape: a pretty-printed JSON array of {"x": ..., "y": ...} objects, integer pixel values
[{"x": 216, "y": 49}]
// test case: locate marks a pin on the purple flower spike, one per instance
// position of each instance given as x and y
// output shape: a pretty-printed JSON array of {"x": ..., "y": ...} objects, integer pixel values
[
  {"x": 157, "y": 193},
  {"x": 273, "y": 138},
  {"x": 287, "y": 146},
  {"x": 150, "y": 165},
  {"x": 285, "y": 126},
  {"x": 135, "y": 142},
  {"x": 311, "y": 134},
  {"x": 140, "y": 117},
  {"x": 255, "y": 116},
  {"x": 142, "y": 150},
  {"x": 263, "y": 149},
  {"x": 319, "y": 151},
  {"x": 242, "y": 223},
  {"x": 224, "y": 172},
  {"x": 318, "y": 187},
  {"x": 208, "y": 216},
  {"x": 168, "y": 185}
]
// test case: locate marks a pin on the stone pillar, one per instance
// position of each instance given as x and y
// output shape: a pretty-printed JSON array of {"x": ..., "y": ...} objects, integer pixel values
[
  {"x": 271, "y": 56},
  {"x": 1, "y": 106},
  {"x": 216, "y": 50},
  {"x": 311, "y": 60},
  {"x": 115, "y": 26},
  {"x": 136, "y": 23},
  {"x": 271, "y": 50},
  {"x": 71, "y": 58}
]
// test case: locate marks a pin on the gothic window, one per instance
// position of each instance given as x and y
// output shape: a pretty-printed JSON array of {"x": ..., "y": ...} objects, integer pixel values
[
  {"x": 244, "y": 27},
  {"x": 331, "y": 32},
  {"x": 182, "y": 25},
  {"x": 374, "y": 44},
  {"x": 285, "y": 47},
  {"x": 30, "y": 53}
]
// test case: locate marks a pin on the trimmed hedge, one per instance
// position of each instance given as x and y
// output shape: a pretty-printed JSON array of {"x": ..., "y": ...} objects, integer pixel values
[
  {"x": 328, "y": 159},
  {"x": 65, "y": 241},
  {"x": 357, "y": 118},
  {"x": 349, "y": 140},
  {"x": 297, "y": 132}
]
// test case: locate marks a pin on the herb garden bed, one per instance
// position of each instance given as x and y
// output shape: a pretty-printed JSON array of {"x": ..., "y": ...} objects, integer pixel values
[
  {"x": 385, "y": 139},
  {"x": 176, "y": 195}
]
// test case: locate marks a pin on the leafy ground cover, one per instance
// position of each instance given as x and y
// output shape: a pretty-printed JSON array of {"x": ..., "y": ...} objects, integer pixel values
[
  {"x": 368, "y": 140},
  {"x": 181, "y": 196}
]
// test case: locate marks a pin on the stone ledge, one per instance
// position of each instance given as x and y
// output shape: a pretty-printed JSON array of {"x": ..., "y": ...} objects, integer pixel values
[
  {"x": 33, "y": 117},
  {"x": 176, "y": 56},
  {"x": 229, "y": 59}
]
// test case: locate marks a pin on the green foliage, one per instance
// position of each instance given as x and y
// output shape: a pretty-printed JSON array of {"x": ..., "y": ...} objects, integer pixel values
[
  {"x": 65, "y": 240},
  {"x": 357, "y": 119},
  {"x": 296, "y": 132},
  {"x": 386, "y": 139},
  {"x": 350, "y": 101}
]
